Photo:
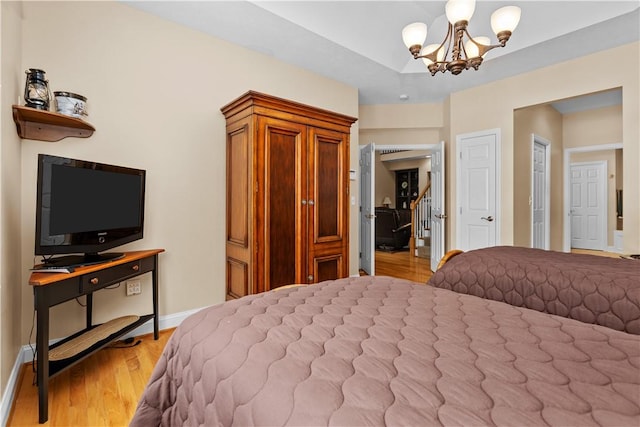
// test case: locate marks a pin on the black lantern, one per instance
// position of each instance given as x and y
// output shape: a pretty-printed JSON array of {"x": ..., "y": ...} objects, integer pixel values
[{"x": 36, "y": 90}]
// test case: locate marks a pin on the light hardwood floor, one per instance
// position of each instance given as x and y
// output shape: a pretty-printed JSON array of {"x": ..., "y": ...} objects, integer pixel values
[
  {"x": 402, "y": 265},
  {"x": 596, "y": 253},
  {"x": 102, "y": 390}
]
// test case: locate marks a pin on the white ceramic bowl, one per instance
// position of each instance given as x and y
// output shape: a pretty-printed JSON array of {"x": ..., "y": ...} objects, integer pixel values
[{"x": 71, "y": 104}]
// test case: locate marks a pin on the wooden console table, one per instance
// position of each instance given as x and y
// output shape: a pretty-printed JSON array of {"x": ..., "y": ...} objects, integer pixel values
[{"x": 50, "y": 289}]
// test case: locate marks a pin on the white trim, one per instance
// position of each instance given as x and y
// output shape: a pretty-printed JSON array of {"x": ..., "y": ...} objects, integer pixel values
[
  {"x": 25, "y": 356},
  {"x": 497, "y": 132},
  {"x": 547, "y": 187},
  {"x": 566, "y": 224},
  {"x": 406, "y": 147},
  {"x": 10, "y": 390}
]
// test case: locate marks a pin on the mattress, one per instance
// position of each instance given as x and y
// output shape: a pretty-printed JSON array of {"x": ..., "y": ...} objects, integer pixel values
[{"x": 383, "y": 351}]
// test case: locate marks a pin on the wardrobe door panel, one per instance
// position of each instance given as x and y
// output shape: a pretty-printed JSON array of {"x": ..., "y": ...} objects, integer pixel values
[
  {"x": 328, "y": 239},
  {"x": 328, "y": 268},
  {"x": 237, "y": 278},
  {"x": 238, "y": 160},
  {"x": 283, "y": 217},
  {"x": 239, "y": 209},
  {"x": 329, "y": 184}
]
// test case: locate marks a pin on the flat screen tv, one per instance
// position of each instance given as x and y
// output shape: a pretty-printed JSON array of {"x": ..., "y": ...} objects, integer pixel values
[{"x": 85, "y": 208}]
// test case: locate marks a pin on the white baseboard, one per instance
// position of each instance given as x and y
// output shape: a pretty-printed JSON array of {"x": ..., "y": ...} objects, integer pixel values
[
  {"x": 25, "y": 355},
  {"x": 10, "y": 390}
]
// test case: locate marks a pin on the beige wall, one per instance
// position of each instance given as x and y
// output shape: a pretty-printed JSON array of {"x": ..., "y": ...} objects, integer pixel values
[
  {"x": 546, "y": 122},
  {"x": 154, "y": 93},
  {"x": 384, "y": 182},
  {"x": 401, "y": 136},
  {"x": 11, "y": 268},
  {"x": 594, "y": 127},
  {"x": 492, "y": 105},
  {"x": 401, "y": 116}
]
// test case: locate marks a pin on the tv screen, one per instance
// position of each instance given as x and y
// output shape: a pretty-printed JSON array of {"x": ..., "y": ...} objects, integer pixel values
[{"x": 86, "y": 207}]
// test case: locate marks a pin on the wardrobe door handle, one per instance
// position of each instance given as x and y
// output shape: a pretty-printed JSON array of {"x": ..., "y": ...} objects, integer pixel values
[{"x": 490, "y": 218}]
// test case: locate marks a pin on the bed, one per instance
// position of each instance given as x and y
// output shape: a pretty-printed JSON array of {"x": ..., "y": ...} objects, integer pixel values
[
  {"x": 384, "y": 351},
  {"x": 592, "y": 289}
]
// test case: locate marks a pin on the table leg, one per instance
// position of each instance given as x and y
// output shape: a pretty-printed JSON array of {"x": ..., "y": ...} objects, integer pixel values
[
  {"x": 42, "y": 354},
  {"x": 89, "y": 310},
  {"x": 154, "y": 275}
]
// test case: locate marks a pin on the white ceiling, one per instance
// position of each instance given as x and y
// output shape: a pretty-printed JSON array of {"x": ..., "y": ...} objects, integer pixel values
[{"x": 359, "y": 42}]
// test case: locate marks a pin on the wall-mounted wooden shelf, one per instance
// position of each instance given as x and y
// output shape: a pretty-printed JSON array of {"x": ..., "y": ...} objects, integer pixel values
[{"x": 41, "y": 125}]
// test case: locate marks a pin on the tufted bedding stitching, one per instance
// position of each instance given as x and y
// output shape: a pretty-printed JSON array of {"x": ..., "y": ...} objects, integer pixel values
[
  {"x": 592, "y": 289},
  {"x": 382, "y": 351}
]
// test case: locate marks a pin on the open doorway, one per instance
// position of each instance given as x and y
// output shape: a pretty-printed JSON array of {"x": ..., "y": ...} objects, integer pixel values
[
  {"x": 391, "y": 178},
  {"x": 571, "y": 131}
]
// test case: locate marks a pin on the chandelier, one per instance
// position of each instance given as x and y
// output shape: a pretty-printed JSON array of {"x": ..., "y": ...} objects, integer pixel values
[{"x": 463, "y": 55}]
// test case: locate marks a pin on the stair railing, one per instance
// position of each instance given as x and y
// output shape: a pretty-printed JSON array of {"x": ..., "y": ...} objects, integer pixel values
[{"x": 420, "y": 218}]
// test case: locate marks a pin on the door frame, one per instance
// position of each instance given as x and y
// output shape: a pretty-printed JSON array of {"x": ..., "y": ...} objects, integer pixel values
[
  {"x": 547, "y": 187},
  {"x": 566, "y": 224},
  {"x": 497, "y": 132},
  {"x": 410, "y": 147}
]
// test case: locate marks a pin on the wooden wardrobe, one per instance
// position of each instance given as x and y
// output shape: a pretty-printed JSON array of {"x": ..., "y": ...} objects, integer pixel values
[{"x": 287, "y": 200}]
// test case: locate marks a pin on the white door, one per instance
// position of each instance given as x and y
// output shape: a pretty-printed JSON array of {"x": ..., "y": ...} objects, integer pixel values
[
  {"x": 588, "y": 205},
  {"x": 367, "y": 210},
  {"x": 477, "y": 189},
  {"x": 438, "y": 215},
  {"x": 540, "y": 233}
]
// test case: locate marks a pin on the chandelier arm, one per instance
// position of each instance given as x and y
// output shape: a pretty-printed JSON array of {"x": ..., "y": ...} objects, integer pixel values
[
  {"x": 433, "y": 56},
  {"x": 482, "y": 48}
]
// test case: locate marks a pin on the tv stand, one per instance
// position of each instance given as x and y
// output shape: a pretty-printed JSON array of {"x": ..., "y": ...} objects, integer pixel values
[
  {"x": 82, "y": 260},
  {"x": 50, "y": 289}
]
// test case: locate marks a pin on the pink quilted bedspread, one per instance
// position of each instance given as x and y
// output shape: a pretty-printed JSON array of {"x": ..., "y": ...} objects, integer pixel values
[
  {"x": 593, "y": 289},
  {"x": 382, "y": 351}
]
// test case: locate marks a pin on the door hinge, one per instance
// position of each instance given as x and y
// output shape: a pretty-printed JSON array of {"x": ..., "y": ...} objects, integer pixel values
[
  {"x": 461, "y": 210},
  {"x": 360, "y": 255}
]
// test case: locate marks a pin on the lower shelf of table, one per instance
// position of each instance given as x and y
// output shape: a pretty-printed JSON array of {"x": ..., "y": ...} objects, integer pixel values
[{"x": 58, "y": 366}]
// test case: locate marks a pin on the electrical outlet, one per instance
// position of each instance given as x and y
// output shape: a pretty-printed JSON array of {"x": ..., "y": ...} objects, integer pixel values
[{"x": 133, "y": 287}]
